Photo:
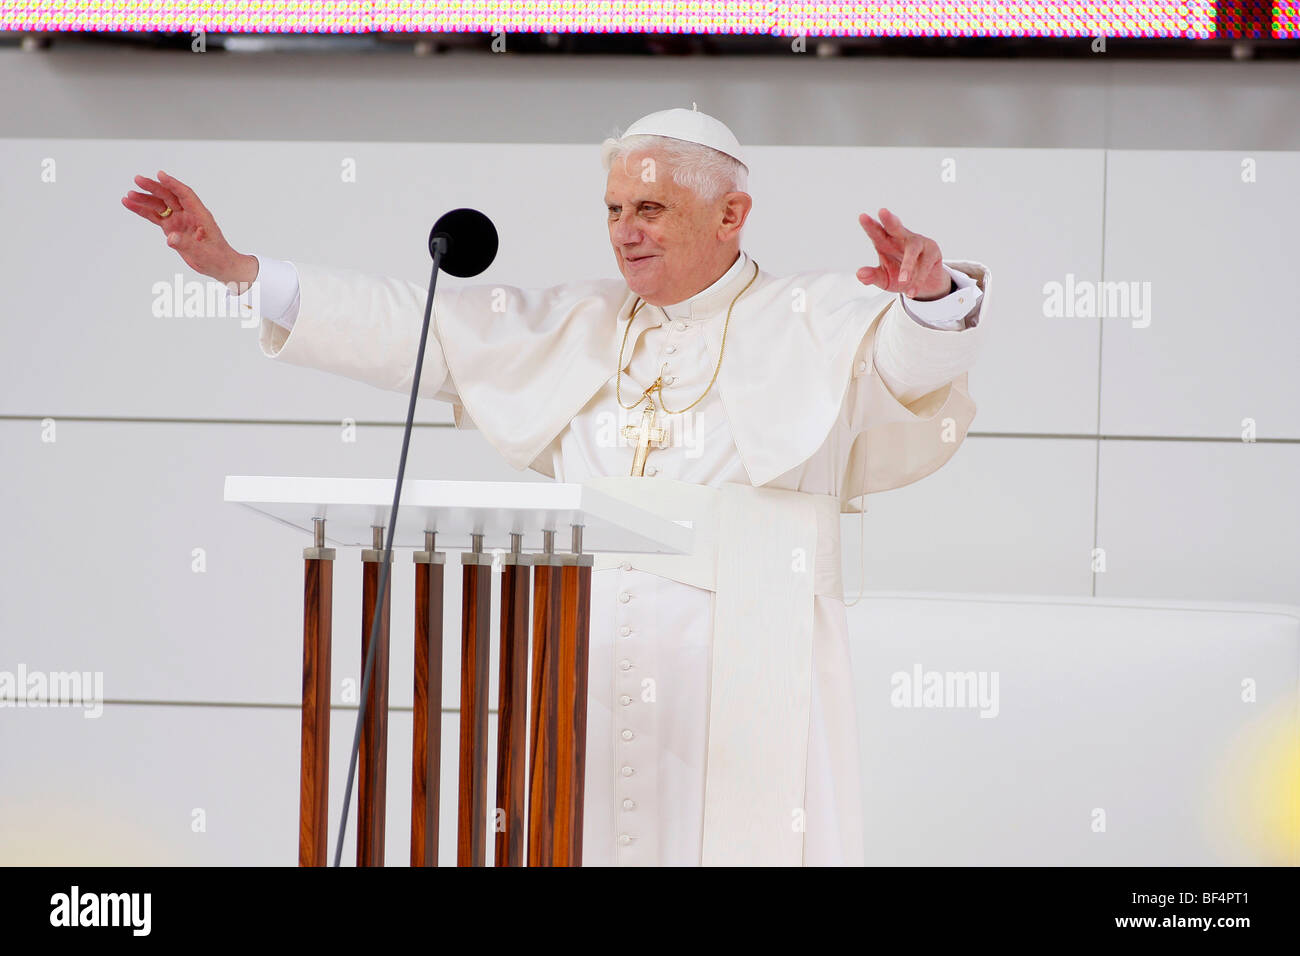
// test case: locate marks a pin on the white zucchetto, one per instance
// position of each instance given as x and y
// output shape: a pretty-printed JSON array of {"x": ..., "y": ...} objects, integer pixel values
[{"x": 691, "y": 126}]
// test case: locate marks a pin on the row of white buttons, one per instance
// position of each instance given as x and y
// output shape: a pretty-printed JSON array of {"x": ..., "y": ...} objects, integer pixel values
[{"x": 625, "y": 630}]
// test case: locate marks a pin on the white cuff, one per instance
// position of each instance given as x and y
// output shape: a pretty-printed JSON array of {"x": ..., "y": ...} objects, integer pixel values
[
  {"x": 913, "y": 359},
  {"x": 274, "y": 295},
  {"x": 949, "y": 312}
]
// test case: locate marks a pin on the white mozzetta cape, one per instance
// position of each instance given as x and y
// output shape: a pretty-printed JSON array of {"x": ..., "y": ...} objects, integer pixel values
[
  {"x": 799, "y": 410},
  {"x": 519, "y": 364}
]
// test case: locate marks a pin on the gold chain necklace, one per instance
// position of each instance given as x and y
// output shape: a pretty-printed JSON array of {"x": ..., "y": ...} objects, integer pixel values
[
  {"x": 649, "y": 432},
  {"x": 657, "y": 384}
]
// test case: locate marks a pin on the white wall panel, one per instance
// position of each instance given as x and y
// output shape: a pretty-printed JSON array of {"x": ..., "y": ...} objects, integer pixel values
[
  {"x": 126, "y": 785},
  {"x": 1029, "y": 215},
  {"x": 104, "y": 578},
  {"x": 1200, "y": 520},
  {"x": 1119, "y": 735},
  {"x": 795, "y": 100},
  {"x": 1223, "y": 342},
  {"x": 82, "y": 336},
  {"x": 1004, "y": 515}
]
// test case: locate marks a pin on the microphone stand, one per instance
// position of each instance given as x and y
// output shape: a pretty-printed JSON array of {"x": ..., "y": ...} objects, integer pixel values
[{"x": 439, "y": 243}]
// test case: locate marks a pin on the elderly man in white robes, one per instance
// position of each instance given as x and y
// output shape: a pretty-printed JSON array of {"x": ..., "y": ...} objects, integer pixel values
[{"x": 721, "y": 720}]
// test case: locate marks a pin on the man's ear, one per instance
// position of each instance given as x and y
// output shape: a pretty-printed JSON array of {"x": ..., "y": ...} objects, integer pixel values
[{"x": 735, "y": 210}]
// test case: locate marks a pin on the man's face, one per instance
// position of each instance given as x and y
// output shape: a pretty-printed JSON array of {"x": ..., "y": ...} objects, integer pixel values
[{"x": 668, "y": 242}]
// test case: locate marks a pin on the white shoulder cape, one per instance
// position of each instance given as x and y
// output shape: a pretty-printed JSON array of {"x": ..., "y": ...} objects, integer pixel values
[{"x": 519, "y": 364}]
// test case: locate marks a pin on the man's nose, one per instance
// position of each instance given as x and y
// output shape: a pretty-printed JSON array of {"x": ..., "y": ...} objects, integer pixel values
[{"x": 624, "y": 232}]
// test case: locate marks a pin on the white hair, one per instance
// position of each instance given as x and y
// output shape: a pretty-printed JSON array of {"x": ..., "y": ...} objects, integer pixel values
[{"x": 702, "y": 169}]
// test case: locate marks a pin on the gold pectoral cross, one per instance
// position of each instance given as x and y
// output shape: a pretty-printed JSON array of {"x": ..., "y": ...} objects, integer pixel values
[{"x": 643, "y": 435}]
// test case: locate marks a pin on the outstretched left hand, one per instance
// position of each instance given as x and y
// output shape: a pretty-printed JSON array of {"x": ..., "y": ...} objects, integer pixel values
[{"x": 909, "y": 262}]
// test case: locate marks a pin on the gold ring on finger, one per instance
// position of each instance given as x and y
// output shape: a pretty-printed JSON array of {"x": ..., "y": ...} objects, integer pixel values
[{"x": 167, "y": 211}]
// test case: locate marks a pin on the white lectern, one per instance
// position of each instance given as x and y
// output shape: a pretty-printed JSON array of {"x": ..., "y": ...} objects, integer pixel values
[{"x": 491, "y": 523}]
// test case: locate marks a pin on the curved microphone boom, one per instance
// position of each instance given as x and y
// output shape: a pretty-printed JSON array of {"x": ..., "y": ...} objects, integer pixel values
[{"x": 463, "y": 243}]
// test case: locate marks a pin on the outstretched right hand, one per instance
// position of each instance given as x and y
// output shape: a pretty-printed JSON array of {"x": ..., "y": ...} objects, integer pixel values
[{"x": 190, "y": 229}]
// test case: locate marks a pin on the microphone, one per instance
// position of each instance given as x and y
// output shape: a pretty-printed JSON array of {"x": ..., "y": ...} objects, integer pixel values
[
  {"x": 468, "y": 239},
  {"x": 463, "y": 243}
]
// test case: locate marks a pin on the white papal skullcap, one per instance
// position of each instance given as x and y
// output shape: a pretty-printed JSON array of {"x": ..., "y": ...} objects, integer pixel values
[{"x": 693, "y": 127}]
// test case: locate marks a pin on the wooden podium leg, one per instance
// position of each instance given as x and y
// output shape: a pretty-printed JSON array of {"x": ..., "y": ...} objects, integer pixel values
[
  {"x": 373, "y": 757},
  {"x": 575, "y": 617},
  {"x": 427, "y": 747},
  {"x": 512, "y": 712},
  {"x": 475, "y": 637},
  {"x": 313, "y": 799},
  {"x": 545, "y": 693}
]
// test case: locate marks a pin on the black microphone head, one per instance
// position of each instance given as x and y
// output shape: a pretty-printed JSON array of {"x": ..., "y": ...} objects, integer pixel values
[{"x": 471, "y": 242}]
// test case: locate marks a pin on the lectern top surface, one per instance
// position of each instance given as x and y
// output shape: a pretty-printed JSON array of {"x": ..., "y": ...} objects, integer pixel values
[{"x": 455, "y": 509}]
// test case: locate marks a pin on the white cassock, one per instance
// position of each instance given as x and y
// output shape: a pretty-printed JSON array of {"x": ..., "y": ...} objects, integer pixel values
[{"x": 721, "y": 722}]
